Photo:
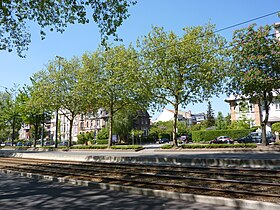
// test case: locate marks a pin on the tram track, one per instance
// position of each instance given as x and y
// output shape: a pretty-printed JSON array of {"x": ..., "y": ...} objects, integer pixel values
[{"x": 197, "y": 180}]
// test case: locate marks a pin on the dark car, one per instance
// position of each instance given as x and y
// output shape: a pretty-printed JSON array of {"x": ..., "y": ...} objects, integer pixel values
[
  {"x": 28, "y": 144},
  {"x": 63, "y": 143},
  {"x": 163, "y": 140},
  {"x": 222, "y": 140},
  {"x": 269, "y": 138},
  {"x": 19, "y": 144},
  {"x": 246, "y": 139}
]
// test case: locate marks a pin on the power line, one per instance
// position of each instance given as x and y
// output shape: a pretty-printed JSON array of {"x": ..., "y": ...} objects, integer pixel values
[
  {"x": 247, "y": 21},
  {"x": 219, "y": 30}
]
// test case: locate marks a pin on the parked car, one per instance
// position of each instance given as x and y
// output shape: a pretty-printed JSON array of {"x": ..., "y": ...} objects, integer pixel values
[
  {"x": 258, "y": 137},
  {"x": 8, "y": 143},
  {"x": 185, "y": 139},
  {"x": 222, "y": 140},
  {"x": 163, "y": 140},
  {"x": 19, "y": 144},
  {"x": 63, "y": 143},
  {"x": 246, "y": 139},
  {"x": 28, "y": 144},
  {"x": 47, "y": 143}
]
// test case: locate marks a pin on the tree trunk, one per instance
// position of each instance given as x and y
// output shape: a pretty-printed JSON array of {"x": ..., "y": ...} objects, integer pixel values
[
  {"x": 264, "y": 121},
  {"x": 70, "y": 131},
  {"x": 110, "y": 140},
  {"x": 14, "y": 128},
  {"x": 56, "y": 128},
  {"x": 174, "y": 130}
]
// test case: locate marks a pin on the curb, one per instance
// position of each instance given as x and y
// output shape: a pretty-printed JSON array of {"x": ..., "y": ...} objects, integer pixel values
[{"x": 235, "y": 203}]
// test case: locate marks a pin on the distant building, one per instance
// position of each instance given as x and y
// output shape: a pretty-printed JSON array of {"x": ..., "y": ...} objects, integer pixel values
[
  {"x": 188, "y": 117},
  {"x": 141, "y": 121},
  {"x": 245, "y": 109}
]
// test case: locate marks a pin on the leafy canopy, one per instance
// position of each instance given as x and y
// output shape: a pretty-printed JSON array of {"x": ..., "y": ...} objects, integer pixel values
[{"x": 57, "y": 15}]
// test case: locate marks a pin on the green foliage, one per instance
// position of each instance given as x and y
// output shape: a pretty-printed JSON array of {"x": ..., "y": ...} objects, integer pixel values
[
  {"x": 160, "y": 129},
  {"x": 105, "y": 146},
  {"x": 214, "y": 146},
  {"x": 167, "y": 146},
  {"x": 205, "y": 136},
  {"x": 184, "y": 70},
  {"x": 276, "y": 127},
  {"x": 220, "y": 123},
  {"x": 255, "y": 67},
  {"x": 103, "y": 134},
  {"x": 10, "y": 115},
  {"x": 119, "y": 83},
  {"x": 84, "y": 138},
  {"x": 122, "y": 124},
  {"x": 57, "y": 88},
  {"x": 210, "y": 116},
  {"x": 102, "y": 141},
  {"x": 127, "y": 147},
  {"x": 100, "y": 146},
  {"x": 56, "y": 16}
]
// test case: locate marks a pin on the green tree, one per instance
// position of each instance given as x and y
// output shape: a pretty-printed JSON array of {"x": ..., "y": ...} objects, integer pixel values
[
  {"x": 114, "y": 84},
  {"x": 136, "y": 135},
  {"x": 103, "y": 134},
  {"x": 210, "y": 116},
  {"x": 123, "y": 122},
  {"x": 10, "y": 115},
  {"x": 160, "y": 129},
  {"x": 31, "y": 113},
  {"x": 255, "y": 68},
  {"x": 220, "y": 123},
  {"x": 184, "y": 70},
  {"x": 276, "y": 128},
  {"x": 60, "y": 89},
  {"x": 57, "y": 15}
]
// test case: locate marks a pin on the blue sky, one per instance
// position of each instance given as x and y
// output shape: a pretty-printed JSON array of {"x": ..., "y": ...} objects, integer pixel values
[{"x": 170, "y": 14}]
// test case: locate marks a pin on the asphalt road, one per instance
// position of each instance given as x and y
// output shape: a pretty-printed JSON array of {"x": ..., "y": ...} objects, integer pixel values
[{"x": 25, "y": 193}]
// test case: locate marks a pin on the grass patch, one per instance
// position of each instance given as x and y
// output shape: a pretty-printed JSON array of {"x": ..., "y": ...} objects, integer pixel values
[{"x": 166, "y": 146}]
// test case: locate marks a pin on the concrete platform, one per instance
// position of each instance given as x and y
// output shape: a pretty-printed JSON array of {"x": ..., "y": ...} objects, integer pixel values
[
  {"x": 227, "y": 158},
  {"x": 224, "y": 158}
]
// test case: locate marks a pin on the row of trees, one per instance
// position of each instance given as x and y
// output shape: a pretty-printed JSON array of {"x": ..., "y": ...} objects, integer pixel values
[{"x": 165, "y": 69}]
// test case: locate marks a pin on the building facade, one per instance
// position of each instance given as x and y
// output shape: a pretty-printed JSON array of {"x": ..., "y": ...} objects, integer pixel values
[
  {"x": 83, "y": 123},
  {"x": 183, "y": 116},
  {"x": 240, "y": 109}
]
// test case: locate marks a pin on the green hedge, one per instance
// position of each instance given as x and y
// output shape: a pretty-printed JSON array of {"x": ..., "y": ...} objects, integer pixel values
[
  {"x": 136, "y": 147},
  {"x": 202, "y": 146},
  {"x": 101, "y": 141},
  {"x": 100, "y": 146},
  {"x": 105, "y": 146},
  {"x": 166, "y": 146},
  {"x": 205, "y": 136}
]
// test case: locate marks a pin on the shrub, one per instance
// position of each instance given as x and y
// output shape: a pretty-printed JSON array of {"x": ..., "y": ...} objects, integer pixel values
[
  {"x": 209, "y": 146},
  {"x": 199, "y": 136},
  {"x": 135, "y": 147},
  {"x": 166, "y": 146},
  {"x": 91, "y": 147},
  {"x": 101, "y": 141}
]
